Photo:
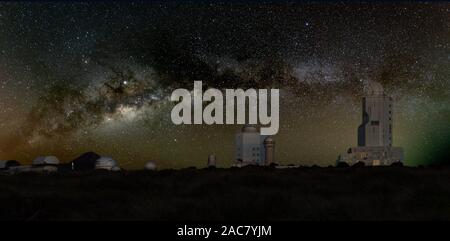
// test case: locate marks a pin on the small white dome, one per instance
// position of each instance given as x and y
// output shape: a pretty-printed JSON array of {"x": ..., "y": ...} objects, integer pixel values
[
  {"x": 106, "y": 163},
  {"x": 150, "y": 165},
  {"x": 45, "y": 160}
]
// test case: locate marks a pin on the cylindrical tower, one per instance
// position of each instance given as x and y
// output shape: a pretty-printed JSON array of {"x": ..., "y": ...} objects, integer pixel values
[
  {"x": 211, "y": 160},
  {"x": 269, "y": 146}
]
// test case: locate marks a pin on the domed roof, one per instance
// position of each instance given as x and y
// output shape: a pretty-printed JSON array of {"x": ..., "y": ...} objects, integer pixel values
[
  {"x": 269, "y": 140},
  {"x": 45, "y": 160},
  {"x": 105, "y": 162},
  {"x": 373, "y": 88},
  {"x": 249, "y": 128},
  {"x": 150, "y": 165}
]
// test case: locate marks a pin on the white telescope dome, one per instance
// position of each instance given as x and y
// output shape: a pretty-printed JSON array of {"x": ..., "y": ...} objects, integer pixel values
[
  {"x": 45, "y": 160},
  {"x": 150, "y": 165},
  {"x": 106, "y": 163}
]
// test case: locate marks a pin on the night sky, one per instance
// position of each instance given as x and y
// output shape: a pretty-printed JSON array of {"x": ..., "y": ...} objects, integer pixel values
[{"x": 62, "y": 64}]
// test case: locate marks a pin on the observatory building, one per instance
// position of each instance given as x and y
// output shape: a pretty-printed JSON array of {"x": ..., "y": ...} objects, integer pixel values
[
  {"x": 7, "y": 164},
  {"x": 85, "y": 162},
  {"x": 252, "y": 148},
  {"x": 45, "y": 164},
  {"x": 150, "y": 166},
  {"x": 42, "y": 164},
  {"x": 375, "y": 132},
  {"x": 106, "y": 163}
]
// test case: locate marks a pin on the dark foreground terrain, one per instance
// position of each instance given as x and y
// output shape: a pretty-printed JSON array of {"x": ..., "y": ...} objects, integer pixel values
[{"x": 377, "y": 193}]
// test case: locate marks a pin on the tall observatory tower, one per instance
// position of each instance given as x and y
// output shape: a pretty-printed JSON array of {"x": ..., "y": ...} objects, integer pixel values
[
  {"x": 375, "y": 132},
  {"x": 376, "y": 126}
]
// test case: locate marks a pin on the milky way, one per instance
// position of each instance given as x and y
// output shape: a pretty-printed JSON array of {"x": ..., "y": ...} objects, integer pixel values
[{"x": 77, "y": 77}]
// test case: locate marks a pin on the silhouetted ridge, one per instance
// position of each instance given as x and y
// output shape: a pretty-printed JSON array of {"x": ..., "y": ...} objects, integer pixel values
[{"x": 85, "y": 162}]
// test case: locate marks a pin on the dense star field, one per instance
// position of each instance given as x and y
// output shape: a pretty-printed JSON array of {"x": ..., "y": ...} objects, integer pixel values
[{"x": 78, "y": 77}]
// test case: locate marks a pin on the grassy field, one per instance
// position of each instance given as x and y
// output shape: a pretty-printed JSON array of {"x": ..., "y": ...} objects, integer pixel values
[{"x": 365, "y": 193}]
